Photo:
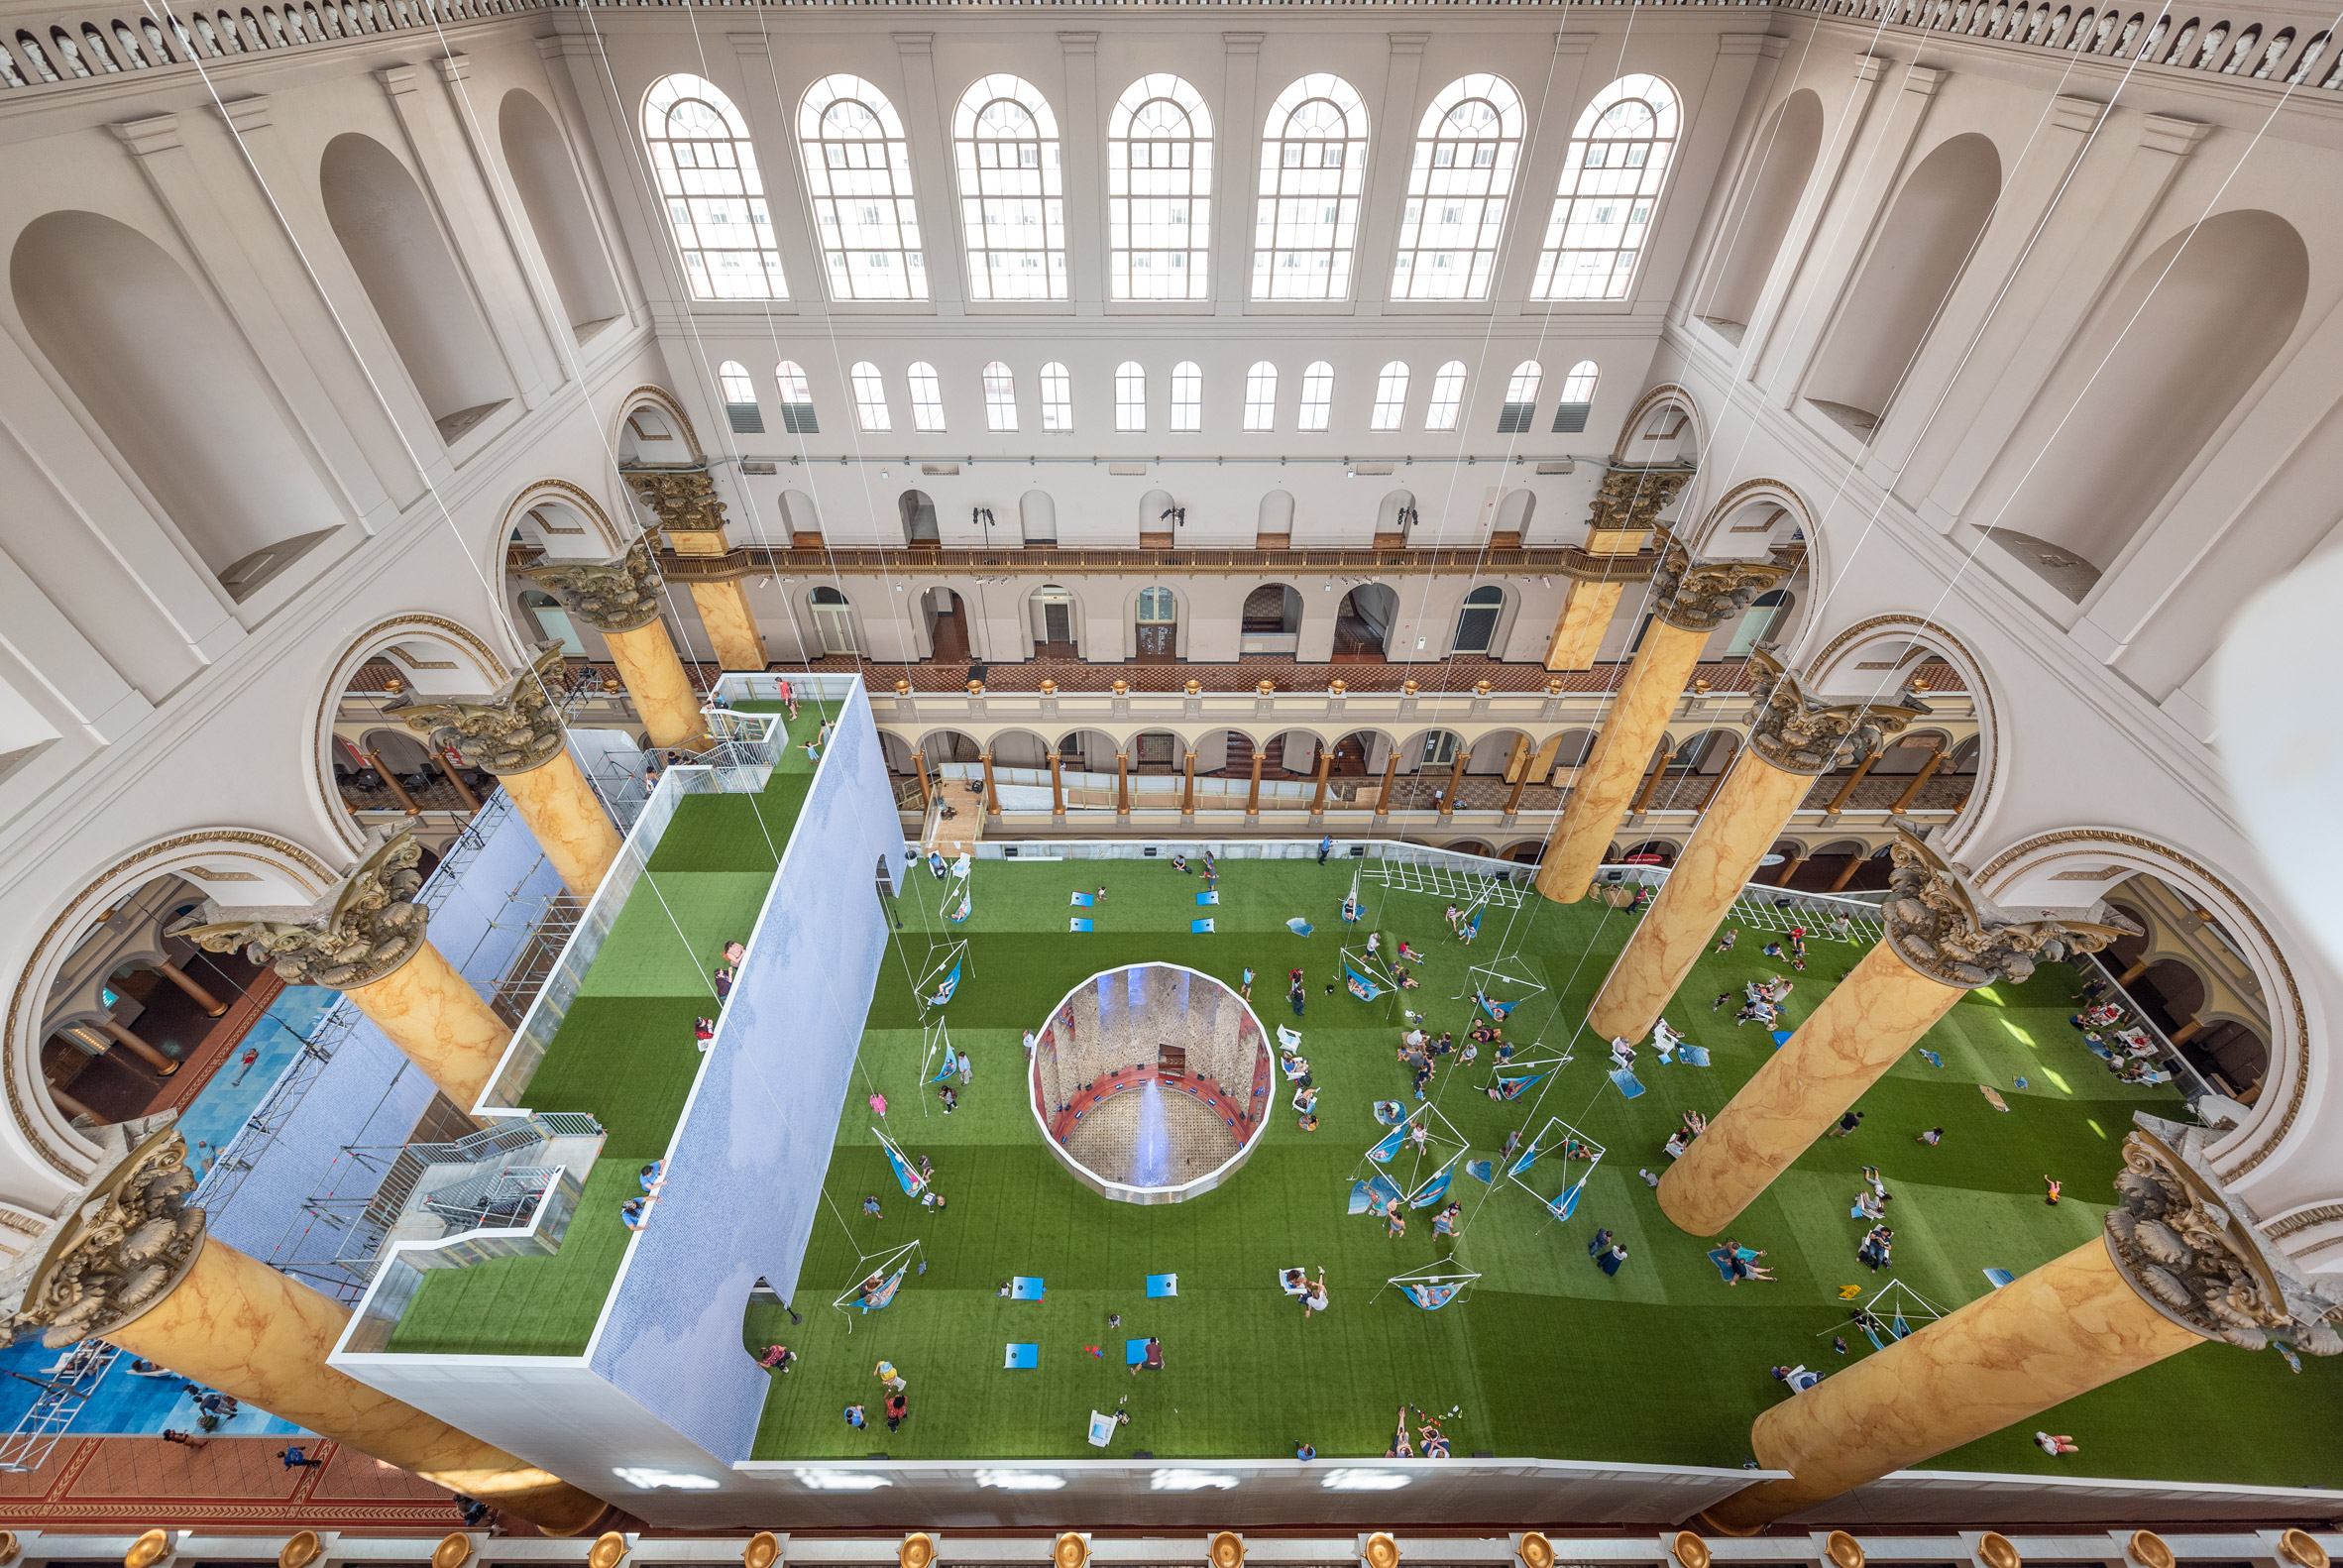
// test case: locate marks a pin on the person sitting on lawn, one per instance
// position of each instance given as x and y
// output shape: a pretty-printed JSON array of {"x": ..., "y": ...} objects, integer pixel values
[
  {"x": 1151, "y": 1360},
  {"x": 1407, "y": 953}
]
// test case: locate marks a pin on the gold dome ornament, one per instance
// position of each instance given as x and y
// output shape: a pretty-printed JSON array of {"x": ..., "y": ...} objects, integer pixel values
[
  {"x": 2298, "y": 1547},
  {"x": 2149, "y": 1551},
  {"x": 1226, "y": 1551},
  {"x": 1071, "y": 1552},
  {"x": 762, "y": 1552},
  {"x": 1381, "y": 1551},
  {"x": 1690, "y": 1550},
  {"x": 453, "y": 1552},
  {"x": 1994, "y": 1550},
  {"x": 148, "y": 1550},
  {"x": 607, "y": 1551},
  {"x": 1535, "y": 1551},
  {"x": 1843, "y": 1550},
  {"x": 302, "y": 1550},
  {"x": 916, "y": 1551}
]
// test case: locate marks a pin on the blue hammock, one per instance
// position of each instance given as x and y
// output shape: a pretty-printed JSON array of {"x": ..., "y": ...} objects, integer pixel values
[
  {"x": 1483, "y": 1170},
  {"x": 1435, "y": 1189},
  {"x": 1431, "y": 1295},
  {"x": 1299, "y": 926},
  {"x": 1565, "y": 1203},
  {"x": 912, "y": 1180},
  {"x": 1511, "y": 1089},
  {"x": 968, "y": 907},
  {"x": 1392, "y": 1144},
  {"x": 1365, "y": 989},
  {"x": 1496, "y": 1009},
  {"x": 1363, "y": 1193},
  {"x": 886, "y": 1294},
  {"x": 950, "y": 1068},
  {"x": 952, "y": 983}
]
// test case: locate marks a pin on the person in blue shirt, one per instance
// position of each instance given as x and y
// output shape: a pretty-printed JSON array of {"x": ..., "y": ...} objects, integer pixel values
[
  {"x": 1325, "y": 847},
  {"x": 856, "y": 1418}
]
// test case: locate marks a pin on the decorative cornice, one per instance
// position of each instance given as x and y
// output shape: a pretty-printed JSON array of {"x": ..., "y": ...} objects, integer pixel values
[
  {"x": 570, "y": 495},
  {"x": 670, "y": 405},
  {"x": 359, "y": 932},
  {"x": 515, "y": 728},
  {"x": 131, "y": 1243},
  {"x": 1693, "y": 595},
  {"x": 608, "y": 595},
  {"x": 1938, "y": 925},
  {"x": 1801, "y": 733},
  {"x": 1653, "y": 397}
]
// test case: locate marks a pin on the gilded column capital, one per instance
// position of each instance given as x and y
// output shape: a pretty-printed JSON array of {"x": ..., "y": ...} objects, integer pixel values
[
  {"x": 2182, "y": 1245},
  {"x": 684, "y": 502},
  {"x": 1631, "y": 499},
  {"x": 358, "y": 932},
  {"x": 1800, "y": 732},
  {"x": 514, "y": 729},
  {"x": 132, "y": 1242},
  {"x": 1941, "y": 928},
  {"x": 608, "y": 595},
  {"x": 1693, "y": 595}
]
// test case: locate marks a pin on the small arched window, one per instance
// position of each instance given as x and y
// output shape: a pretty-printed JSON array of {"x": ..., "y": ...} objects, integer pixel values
[
  {"x": 1578, "y": 399},
  {"x": 1317, "y": 396},
  {"x": 1475, "y": 623},
  {"x": 1521, "y": 406},
  {"x": 927, "y": 396},
  {"x": 1613, "y": 176},
  {"x": 870, "y": 398},
  {"x": 1313, "y": 168},
  {"x": 858, "y": 180},
  {"x": 1447, "y": 396},
  {"x": 1465, "y": 155},
  {"x": 1130, "y": 396},
  {"x": 1187, "y": 397},
  {"x": 741, "y": 409},
  {"x": 1261, "y": 396},
  {"x": 1056, "y": 398},
  {"x": 1158, "y": 192},
  {"x": 706, "y": 166},
  {"x": 1157, "y": 607},
  {"x": 1390, "y": 396},
  {"x": 1000, "y": 397},
  {"x": 1012, "y": 190},
  {"x": 797, "y": 399}
]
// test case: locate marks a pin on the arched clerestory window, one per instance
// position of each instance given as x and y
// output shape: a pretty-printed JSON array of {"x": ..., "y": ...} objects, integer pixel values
[
  {"x": 714, "y": 195},
  {"x": 741, "y": 409},
  {"x": 1447, "y": 396},
  {"x": 1390, "y": 396},
  {"x": 870, "y": 398},
  {"x": 1520, "y": 404},
  {"x": 1158, "y": 192},
  {"x": 858, "y": 180},
  {"x": 797, "y": 399},
  {"x": 1261, "y": 396},
  {"x": 1313, "y": 168},
  {"x": 1317, "y": 396},
  {"x": 1012, "y": 190},
  {"x": 1130, "y": 396},
  {"x": 1000, "y": 396},
  {"x": 1466, "y": 150},
  {"x": 1613, "y": 176},
  {"x": 1577, "y": 398}
]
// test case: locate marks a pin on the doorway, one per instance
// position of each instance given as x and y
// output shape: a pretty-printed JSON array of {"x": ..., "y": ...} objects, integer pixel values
[
  {"x": 1361, "y": 623},
  {"x": 834, "y": 620},
  {"x": 1053, "y": 623},
  {"x": 918, "y": 518},
  {"x": 1157, "y": 637},
  {"x": 947, "y": 627}
]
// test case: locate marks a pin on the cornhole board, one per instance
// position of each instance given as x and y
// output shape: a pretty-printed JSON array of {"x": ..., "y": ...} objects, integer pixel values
[
  {"x": 1022, "y": 1358},
  {"x": 1077, "y": 924},
  {"x": 1199, "y": 927},
  {"x": 1161, "y": 1284}
]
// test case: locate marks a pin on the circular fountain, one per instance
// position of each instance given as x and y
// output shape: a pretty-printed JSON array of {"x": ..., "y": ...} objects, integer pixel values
[{"x": 1152, "y": 1082}]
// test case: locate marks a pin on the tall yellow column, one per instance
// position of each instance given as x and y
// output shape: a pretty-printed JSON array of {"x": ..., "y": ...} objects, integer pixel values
[
  {"x": 620, "y": 599},
  {"x": 1690, "y": 600},
  {"x": 516, "y": 733},
  {"x": 1586, "y": 609},
  {"x": 2172, "y": 1270},
  {"x": 731, "y": 624},
  {"x": 1625, "y": 508},
  {"x": 1941, "y": 941},
  {"x": 1793, "y": 739},
  {"x": 365, "y": 938},
  {"x": 684, "y": 503},
  {"x": 138, "y": 1270}
]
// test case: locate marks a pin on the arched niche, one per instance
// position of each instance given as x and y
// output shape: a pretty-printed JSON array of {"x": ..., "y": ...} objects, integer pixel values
[
  {"x": 1511, "y": 523},
  {"x": 917, "y": 509},
  {"x": 393, "y": 241},
  {"x": 539, "y": 158},
  {"x": 1396, "y": 516},
  {"x": 1273, "y": 526},
  {"x": 2171, "y": 354},
  {"x": 804, "y": 521},
  {"x": 1664, "y": 427},
  {"x": 1036, "y": 515},
  {"x": 174, "y": 390},
  {"x": 1760, "y": 217},
  {"x": 653, "y": 431},
  {"x": 1895, "y": 298}
]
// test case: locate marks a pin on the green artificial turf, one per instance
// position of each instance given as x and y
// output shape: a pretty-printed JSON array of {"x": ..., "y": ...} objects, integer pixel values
[
  {"x": 1548, "y": 1357},
  {"x": 624, "y": 1053}
]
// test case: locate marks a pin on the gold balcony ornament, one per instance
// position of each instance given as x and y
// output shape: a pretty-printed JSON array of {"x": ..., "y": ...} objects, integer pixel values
[
  {"x": 302, "y": 1550},
  {"x": 1071, "y": 1552},
  {"x": 1843, "y": 1550},
  {"x": 1995, "y": 1551},
  {"x": 903, "y": 688},
  {"x": 1690, "y": 1550},
  {"x": 1121, "y": 688},
  {"x": 2147, "y": 1549},
  {"x": 1226, "y": 1551},
  {"x": 453, "y": 1552},
  {"x": 148, "y": 1550},
  {"x": 1482, "y": 688},
  {"x": 1049, "y": 687},
  {"x": 1553, "y": 688},
  {"x": 975, "y": 688},
  {"x": 762, "y": 1552},
  {"x": 1407, "y": 688},
  {"x": 1917, "y": 684},
  {"x": 2296, "y": 1546},
  {"x": 607, "y": 1551},
  {"x": 916, "y": 1551},
  {"x": 1535, "y": 1551},
  {"x": 394, "y": 686},
  {"x": 1700, "y": 687},
  {"x": 609, "y": 685},
  {"x": 1382, "y": 1551},
  {"x": 1337, "y": 688},
  {"x": 1194, "y": 688},
  {"x": 1266, "y": 688}
]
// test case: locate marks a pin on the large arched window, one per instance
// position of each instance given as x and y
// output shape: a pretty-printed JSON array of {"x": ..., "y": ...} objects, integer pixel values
[
  {"x": 1261, "y": 396},
  {"x": 1447, "y": 396},
  {"x": 1158, "y": 192},
  {"x": 1465, "y": 153},
  {"x": 741, "y": 409},
  {"x": 1000, "y": 396},
  {"x": 1056, "y": 398},
  {"x": 858, "y": 178},
  {"x": 1317, "y": 396},
  {"x": 870, "y": 396},
  {"x": 1612, "y": 180},
  {"x": 1313, "y": 166},
  {"x": 1187, "y": 397},
  {"x": 715, "y": 197},
  {"x": 797, "y": 399},
  {"x": 1130, "y": 396},
  {"x": 1390, "y": 396},
  {"x": 1520, "y": 404},
  {"x": 1004, "y": 142},
  {"x": 927, "y": 396},
  {"x": 1577, "y": 398}
]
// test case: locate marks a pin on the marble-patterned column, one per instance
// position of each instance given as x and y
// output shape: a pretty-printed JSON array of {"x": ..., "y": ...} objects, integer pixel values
[
  {"x": 689, "y": 513},
  {"x": 1942, "y": 941},
  {"x": 620, "y": 599},
  {"x": 365, "y": 937},
  {"x": 2173, "y": 1269},
  {"x": 137, "y": 1268},
  {"x": 516, "y": 733},
  {"x": 1621, "y": 517},
  {"x": 1690, "y": 600},
  {"x": 1794, "y": 738},
  {"x": 213, "y": 1006}
]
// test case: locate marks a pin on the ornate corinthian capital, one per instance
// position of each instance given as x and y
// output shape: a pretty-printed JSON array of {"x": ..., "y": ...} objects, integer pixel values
[
  {"x": 131, "y": 1243},
  {"x": 684, "y": 501},
  {"x": 1632, "y": 498},
  {"x": 2188, "y": 1254},
  {"x": 611, "y": 596},
  {"x": 1941, "y": 928},
  {"x": 1693, "y": 595},
  {"x": 357, "y": 934},
  {"x": 512, "y": 729},
  {"x": 1801, "y": 733}
]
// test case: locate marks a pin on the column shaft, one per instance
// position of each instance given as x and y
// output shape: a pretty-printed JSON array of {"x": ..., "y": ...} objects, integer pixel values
[
  {"x": 238, "y": 1326},
  {"x": 1848, "y": 789},
  {"x": 1318, "y": 796},
  {"x": 1578, "y": 633},
  {"x": 1638, "y": 716},
  {"x": 655, "y": 679},
  {"x": 1391, "y": 771},
  {"x": 2069, "y": 1326},
  {"x": 434, "y": 1016},
  {"x": 1790, "y": 866},
  {"x": 1056, "y": 787},
  {"x": 1751, "y": 807},
  {"x": 455, "y": 778},
  {"x": 569, "y": 822},
  {"x": 213, "y": 1006},
  {"x": 919, "y": 768},
  {"x": 406, "y": 802},
  {"x": 1455, "y": 781},
  {"x": 992, "y": 796},
  {"x": 163, "y": 1066},
  {"x": 1122, "y": 783},
  {"x": 1188, "y": 789},
  {"x": 731, "y": 624},
  {"x": 1862, "y": 1028},
  {"x": 1253, "y": 793},
  {"x": 1513, "y": 795},
  {"x": 1846, "y": 872}
]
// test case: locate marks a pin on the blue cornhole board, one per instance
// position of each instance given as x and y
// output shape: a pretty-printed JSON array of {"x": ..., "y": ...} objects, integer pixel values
[
  {"x": 1781, "y": 1037},
  {"x": 1698, "y": 1056},
  {"x": 1628, "y": 1083},
  {"x": 1207, "y": 898},
  {"x": 1199, "y": 927},
  {"x": 1022, "y": 1358},
  {"x": 1134, "y": 1352},
  {"x": 1026, "y": 1287},
  {"x": 1077, "y": 924},
  {"x": 1999, "y": 1276},
  {"x": 1161, "y": 1284},
  {"x": 1086, "y": 900}
]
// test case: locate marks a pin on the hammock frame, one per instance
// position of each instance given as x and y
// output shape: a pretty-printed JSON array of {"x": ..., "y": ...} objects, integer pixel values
[
  {"x": 1553, "y": 1138},
  {"x": 891, "y": 1266}
]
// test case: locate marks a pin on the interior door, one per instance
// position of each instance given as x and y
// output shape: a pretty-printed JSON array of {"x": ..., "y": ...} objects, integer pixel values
[
  {"x": 1156, "y": 640},
  {"x": 1058, "y": 623}
]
